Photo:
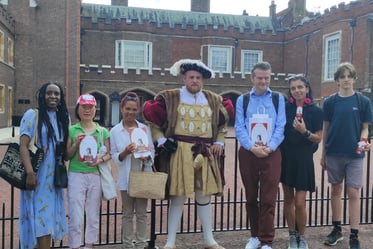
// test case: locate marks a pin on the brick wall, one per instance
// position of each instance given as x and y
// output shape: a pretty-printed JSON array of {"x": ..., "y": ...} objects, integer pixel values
[
  {"x": 52, "y": 40},
  {"x": 47, "y": 47}
]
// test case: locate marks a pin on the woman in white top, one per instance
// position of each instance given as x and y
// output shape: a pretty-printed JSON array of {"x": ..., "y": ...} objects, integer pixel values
[{"x": 126, "y": 156}]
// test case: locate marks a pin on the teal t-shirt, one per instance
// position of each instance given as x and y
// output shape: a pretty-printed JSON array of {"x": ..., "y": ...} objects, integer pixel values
[{"x": 76, "y": 163}]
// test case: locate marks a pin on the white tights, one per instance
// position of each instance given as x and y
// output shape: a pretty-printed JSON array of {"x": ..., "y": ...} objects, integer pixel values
[{"x": 204, "y": 214}]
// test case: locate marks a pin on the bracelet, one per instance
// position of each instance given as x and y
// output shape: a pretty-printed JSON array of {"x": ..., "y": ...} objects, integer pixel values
[{"x": 307, "y": 134}]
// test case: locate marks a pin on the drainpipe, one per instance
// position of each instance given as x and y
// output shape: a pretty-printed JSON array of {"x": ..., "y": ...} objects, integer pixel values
[
  {"x": 352, "y": 26},
  {"x": 307, "y": 55}
]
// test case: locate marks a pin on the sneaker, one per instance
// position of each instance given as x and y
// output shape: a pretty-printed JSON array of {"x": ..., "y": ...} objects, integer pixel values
[
  {"x": 266, "y": 247},
  {"x": 253, "y": 243},
  {"x": 333, "y": 238},
  {"x": 354, "y": 243},
  {"x": 293, "y": 244},
  {"x": 302, "y": 243}
]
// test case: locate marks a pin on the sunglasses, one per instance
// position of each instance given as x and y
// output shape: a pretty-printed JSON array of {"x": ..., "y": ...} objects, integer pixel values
[
  {"x": 297, "y": 77},
  {"x": 87, "y": 97},
  {"x": 134, "y": 98},
  {"x": 300, "y": 77}
]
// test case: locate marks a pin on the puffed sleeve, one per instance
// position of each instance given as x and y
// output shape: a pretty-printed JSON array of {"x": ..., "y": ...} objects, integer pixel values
[
  {"x": 227, "y": 112},
  {"x": 155, "y": 114},
  {"x": 155, "y": 111}
]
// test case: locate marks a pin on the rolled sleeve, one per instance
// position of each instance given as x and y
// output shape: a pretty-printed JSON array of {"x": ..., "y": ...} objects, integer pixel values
[
  {"x": 279, "y": 125},
  {"x": 240, "y": 126}
]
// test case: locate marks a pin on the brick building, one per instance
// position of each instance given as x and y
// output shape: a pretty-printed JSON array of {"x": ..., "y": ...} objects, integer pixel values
[
  {"x": 108, "y": 50},
  {"x": 46, "y": 48},
  {"x": 7, "y": 70}
]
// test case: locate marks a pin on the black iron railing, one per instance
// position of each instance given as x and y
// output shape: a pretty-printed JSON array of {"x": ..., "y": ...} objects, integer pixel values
[{"x": 229, "y": 211}]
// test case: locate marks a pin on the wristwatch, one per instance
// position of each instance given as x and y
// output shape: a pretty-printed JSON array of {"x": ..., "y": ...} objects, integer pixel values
[{"x": 307, "y": 134}]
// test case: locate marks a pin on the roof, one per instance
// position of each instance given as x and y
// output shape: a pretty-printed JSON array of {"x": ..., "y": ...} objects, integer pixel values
[{"x": 172, "y": 17}]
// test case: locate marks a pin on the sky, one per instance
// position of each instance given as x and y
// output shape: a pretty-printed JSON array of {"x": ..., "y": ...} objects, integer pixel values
[{"x": 236, "y": 7}]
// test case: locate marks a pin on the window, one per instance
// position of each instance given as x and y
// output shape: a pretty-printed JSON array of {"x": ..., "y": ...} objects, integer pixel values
[
  {"x": 220, "y": 59},
  {"x": 2, "y": 41},
  {"x": 2, "y": 98},
  {"x": 9, "y": 106},
  {"x": 249, "y": 58},
  {"x": 34, "y": 3},
  {"x": 10, "y": 52},
  {"x": 332, "y": 46},
  {"x": 98, "y": 110},
  {"x": 133, "y": 54}
]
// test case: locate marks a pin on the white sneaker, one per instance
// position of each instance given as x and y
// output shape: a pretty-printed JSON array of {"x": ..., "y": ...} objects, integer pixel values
[
  {"x": 253, "y": 243},
  {"x": 266, "y": 247}
]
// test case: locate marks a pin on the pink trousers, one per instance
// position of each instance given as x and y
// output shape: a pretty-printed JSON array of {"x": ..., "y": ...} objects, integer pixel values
[{"x": 84, "y": 195}]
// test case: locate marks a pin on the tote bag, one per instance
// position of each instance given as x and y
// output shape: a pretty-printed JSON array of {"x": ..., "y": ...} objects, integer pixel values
[
  {"x": 108, "y": 186},
  {"x": 12, "y": 169},
  {"x": 147, "y": 185}
]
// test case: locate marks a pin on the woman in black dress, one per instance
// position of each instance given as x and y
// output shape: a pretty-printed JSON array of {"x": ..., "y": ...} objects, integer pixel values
[{"x": 303, "y": 132}]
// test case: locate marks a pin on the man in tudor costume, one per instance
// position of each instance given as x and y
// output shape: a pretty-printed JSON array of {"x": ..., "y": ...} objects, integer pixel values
[{"x": 190, "y": 124}]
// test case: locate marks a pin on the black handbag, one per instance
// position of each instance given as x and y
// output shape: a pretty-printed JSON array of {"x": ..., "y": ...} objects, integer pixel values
[
  {"x": 60, "y": 171},
  {"x": 12, "y": 169},
  {"x": 60, "y": 176}
]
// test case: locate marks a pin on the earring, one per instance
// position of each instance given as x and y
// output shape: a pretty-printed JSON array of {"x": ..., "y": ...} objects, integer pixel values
[
  {"x": 307, "y": 100},
  {"x": 291, "y": 100}
]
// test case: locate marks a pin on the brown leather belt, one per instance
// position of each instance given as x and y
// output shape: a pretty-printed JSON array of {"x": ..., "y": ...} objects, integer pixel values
[{"x": 193, "y": 140}]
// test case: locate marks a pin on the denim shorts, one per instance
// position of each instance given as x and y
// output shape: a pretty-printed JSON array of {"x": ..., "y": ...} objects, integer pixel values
[{"x": 348, "y": 168}]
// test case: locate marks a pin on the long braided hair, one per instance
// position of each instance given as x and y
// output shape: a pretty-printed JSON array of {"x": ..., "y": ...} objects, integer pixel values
[{"x": 62, "y": 113}]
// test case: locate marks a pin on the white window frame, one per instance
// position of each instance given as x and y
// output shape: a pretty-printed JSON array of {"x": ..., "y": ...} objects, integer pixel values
[
  {"x": 332, "y": 55},
  {"x": 248, "y": 52},
  {"x": 10, "y": 51},
  {"x": 34, "y": 3},
  {"x": 2, "y": 98},
  {"x": 215, "y": 63},
  {"x": 2, "y": 46},
  {"x": 126, "y": 52}
]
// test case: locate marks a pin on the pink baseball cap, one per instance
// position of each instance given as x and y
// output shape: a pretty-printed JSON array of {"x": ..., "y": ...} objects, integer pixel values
[{"x": 86, "y": 99}]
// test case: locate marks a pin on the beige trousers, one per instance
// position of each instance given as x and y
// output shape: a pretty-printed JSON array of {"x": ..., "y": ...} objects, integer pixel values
[{"x": 131, "y": 207}]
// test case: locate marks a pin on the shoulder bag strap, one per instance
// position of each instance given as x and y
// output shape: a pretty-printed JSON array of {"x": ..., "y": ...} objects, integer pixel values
[{"x": 32, "y": 145}]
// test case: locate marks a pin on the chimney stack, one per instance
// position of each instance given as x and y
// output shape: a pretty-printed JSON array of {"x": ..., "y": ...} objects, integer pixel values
[
  {"x": 200, "y": 6},
  {"x": 299, "y": 7},
  {"x": 272, "y": 9},
  {"x": 119, "y": 2}
]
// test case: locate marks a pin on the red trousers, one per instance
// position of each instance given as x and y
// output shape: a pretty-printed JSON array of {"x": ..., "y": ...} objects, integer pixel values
[{"x": 261, "y": 177}]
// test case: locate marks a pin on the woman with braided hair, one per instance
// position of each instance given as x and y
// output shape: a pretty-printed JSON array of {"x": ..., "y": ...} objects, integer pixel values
[{"x": 42, "y": 215}]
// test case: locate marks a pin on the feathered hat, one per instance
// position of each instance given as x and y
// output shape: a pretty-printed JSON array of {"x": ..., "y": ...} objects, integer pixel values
[{"x": 184, "y": 65}]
